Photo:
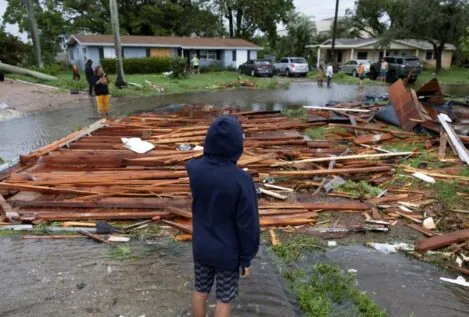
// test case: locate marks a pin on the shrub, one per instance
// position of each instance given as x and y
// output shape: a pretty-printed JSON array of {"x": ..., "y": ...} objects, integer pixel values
[
  {"x": 51, "y": 69},
  {"x": 178, "y": 67},
  {"x": 213, "y": 67},
  {"x": 147, "y": 65}
]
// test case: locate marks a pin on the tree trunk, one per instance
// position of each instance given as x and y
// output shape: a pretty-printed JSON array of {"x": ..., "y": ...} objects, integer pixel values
[
  {"x": 438, "y": 57},
  {"x": 5, "y": 68},
  {"x": 229, "y": 16},
  {"x": 239, "y": 20},
  {"x": 120, "y": 81},
  {"x": 34, "y": 33}
]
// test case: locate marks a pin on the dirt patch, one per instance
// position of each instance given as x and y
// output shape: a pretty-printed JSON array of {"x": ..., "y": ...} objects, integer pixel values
[{"x": 24, "y": 98}]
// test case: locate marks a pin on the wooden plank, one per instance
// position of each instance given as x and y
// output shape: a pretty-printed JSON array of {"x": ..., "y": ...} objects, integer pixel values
[
  {"x": 273, "y": 238},
  {"x": 345, "y": 157},
  {"x": 62, "y": 142},
  {"x": 180, "y": 227},
  {"x": 373, "y": 138},
  {"x": 95, "y": 237},
  {"x": 179, "y": 212},
  {"x": 43, "y": 189},
  {"x": 337, "y": 109},
  {"x": 366, "y": 128},
  {"x": 336, "y": 171},
  {"x": 438, "y": 242},
  {"x": 443, "y": 143},
  {"x": 453, "y": 138},
  {"x": 114, "y": 202},
  {"x": 273, "y": 194},
  {"x": 326, "y": 206},
  {"x": 281, "y": 222},
  {"x": 421, "y": 229}
]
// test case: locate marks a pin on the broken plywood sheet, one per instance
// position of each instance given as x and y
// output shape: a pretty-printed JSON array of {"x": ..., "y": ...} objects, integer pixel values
[{"x": 404, "y": 106}]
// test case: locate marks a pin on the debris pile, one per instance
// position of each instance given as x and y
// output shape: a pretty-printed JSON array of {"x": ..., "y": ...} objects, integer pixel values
[{"x": 329, "y": 160}]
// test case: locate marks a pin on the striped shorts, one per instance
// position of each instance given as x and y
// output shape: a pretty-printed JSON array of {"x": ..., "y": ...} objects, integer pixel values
[{"x": 227, "y": 281}]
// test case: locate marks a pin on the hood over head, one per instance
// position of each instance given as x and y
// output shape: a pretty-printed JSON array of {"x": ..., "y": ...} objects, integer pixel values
[{"x": 224, "y": 140}]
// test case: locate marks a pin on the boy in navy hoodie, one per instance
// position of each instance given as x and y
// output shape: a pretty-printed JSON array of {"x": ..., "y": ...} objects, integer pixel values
[{"x": 226, "y": 230}]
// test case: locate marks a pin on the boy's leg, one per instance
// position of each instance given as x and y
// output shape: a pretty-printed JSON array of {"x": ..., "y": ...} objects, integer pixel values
[
  {"x": 99, "y": 102},
  {"x": 227, "y": 291},
  {"x": 198, "y": 304},
  {"x": 106, "y": 104},
  {"x": 204, "y": 277}
]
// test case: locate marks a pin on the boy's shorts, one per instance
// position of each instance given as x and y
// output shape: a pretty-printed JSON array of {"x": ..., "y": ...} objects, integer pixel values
[
  {"x": 227, "y": 281},
  {"x": 383, "y": 73}
]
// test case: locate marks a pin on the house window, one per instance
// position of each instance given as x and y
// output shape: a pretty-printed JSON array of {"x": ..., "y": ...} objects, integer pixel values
[
  {"x": 362, "y": 55},
  {"x": 84, "y": 50},
  {"x": 428, "y": 55},
  {"x": 212, "y": 55},
  {"x": 340, "y": 56},
  {"x": 109, "y": 52},
  {"x": 234, "y": 55},
  {"x": 72, "y": 55}
]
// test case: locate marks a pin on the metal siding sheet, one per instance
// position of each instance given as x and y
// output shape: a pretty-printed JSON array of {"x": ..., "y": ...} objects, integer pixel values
[{"x": 404, "y": 105}]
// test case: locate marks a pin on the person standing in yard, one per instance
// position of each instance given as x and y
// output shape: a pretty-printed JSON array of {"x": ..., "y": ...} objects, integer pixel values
[
  {"x": 195, "y": 64},
  {"x": 361, "y": 73},
  {"x": 101, "y": 89},
  {"x": 226, "y": 231},
  {"x": 321, "y": 76},
  {"x": 384, "y": 70},
  {"x": 89, "y": 76},
  {"x": 329, "y": 74}
]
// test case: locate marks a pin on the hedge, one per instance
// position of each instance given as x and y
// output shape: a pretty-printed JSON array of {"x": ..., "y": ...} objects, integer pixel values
[{"x": 147, "y": 65}]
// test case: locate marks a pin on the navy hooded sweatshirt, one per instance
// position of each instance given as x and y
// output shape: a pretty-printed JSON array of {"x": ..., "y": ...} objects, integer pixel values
[{"x": 226, "y": 230}]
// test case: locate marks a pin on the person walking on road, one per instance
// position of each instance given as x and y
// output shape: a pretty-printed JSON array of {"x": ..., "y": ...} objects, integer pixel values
[
  {"x": 361, "y": 73},
  {"x": 101, "y": 89},
  {"x": 89, "y": 76},
  {"x": 226, "y": 231},
  {"x": 329, "y": 74},
  {"x": 195, "y": 64},
  {"x": 384, "y": 70}
]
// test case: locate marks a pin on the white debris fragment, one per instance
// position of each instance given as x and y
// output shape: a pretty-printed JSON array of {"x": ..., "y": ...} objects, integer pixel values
[
  {"x": 352, "y": 271},
  {"x": 425, "y": 178},
  {"x": 429, "y": 224},
  {"x": 390, "y": 248},
  {"x": 137, "y": 145},
  {"x": 459, "y": 281},
  {"x": 332, "y": 244}
]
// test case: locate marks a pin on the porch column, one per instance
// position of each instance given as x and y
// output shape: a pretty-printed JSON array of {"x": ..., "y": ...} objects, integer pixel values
[
  {"x": 417, "y": 52},
  {"x": 384, "y": 54},
  {"x": 319, "y": 58},
  {"x": 182, "y": 52},
  {"x": 353, "y": 52}
]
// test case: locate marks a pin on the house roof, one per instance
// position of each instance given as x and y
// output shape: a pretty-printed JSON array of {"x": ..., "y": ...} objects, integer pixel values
[
  {"x": 357, "y": 43},
  {"x": 164, "y": 41}
]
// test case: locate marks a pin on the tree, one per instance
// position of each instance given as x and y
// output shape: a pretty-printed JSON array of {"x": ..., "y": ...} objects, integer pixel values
[
  {"x": 51, "y": 24},
  {"x": 437, "y": 21},
  {"x": 120, "y": 82},
  {"x": 12, "y": 50},
  {"x": 245, "y": 17},
  {"x": 376, "y": 17},
  {"x": 34, "y": 32},
  {"x": 301, "y": 32}
]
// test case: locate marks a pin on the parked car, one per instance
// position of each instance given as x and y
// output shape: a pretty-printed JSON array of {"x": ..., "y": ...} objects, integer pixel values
[
  {"x": 351, "y": 67},
  {"x": 291, "y": 66},
  {"x": 257, "y": 67},
  {"x": 399, "y": 67}
]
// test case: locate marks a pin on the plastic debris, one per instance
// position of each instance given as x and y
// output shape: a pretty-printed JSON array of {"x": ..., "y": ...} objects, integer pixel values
[
  {"x": 137, "y": 145},
  {"x": 459, "y": 281}
]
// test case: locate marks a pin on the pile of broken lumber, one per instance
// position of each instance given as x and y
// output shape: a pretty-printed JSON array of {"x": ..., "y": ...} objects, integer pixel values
[{"x": 90, "y": 175}]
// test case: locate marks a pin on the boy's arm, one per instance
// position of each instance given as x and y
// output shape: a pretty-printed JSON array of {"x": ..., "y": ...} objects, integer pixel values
[{"x": 247, "y": 221}]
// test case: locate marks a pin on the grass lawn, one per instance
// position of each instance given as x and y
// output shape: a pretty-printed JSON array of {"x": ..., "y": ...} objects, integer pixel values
[
  {"x": 193, "y": 83},
  {"x": 451, "y": 76},
  {"x": 342, "y": 78}
]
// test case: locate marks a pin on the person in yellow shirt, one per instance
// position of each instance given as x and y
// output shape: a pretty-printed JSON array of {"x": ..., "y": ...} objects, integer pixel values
[
  {"x": 361, "y": 73},
  {"x": 101, "y": 89}
]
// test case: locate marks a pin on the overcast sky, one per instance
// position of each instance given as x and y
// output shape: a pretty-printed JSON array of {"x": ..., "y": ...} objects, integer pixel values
[{"x": 319, "y": 9}]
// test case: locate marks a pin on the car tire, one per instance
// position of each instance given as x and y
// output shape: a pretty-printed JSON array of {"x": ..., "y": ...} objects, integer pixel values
[
  {"x": 372, "y": 74},
  {"x": 287, "y": 73},
  {"x": 304, "y": 75},
  {"x": 355, "y": 73}
]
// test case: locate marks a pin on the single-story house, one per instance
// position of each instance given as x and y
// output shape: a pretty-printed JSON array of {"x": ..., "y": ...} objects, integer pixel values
[
  {"x": 369, "y": 49},
  {"x": 229, "y": 52}
]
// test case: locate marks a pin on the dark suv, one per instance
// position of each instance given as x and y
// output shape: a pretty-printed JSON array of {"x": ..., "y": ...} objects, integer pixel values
[{"x": 399, "y": 67}]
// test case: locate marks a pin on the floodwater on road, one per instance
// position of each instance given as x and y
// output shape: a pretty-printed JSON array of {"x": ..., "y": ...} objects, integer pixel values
[
  {"x": 78, "y": 277},
  {"x": 22, "y": 135}
]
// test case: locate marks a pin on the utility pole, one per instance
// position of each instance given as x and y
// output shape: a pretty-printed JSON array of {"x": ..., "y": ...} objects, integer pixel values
[
  {"x": 334, "y": 31},
  {"x": 120, "y": 81},
  {"x": 34, "y": 32}
]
